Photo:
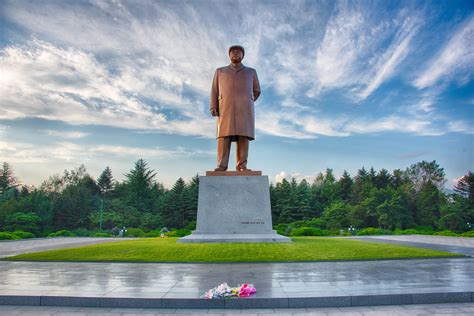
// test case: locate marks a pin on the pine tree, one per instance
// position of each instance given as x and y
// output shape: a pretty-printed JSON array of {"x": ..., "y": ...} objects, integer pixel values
[
  {"x": 190, "y": 196},
  {"x": 465, "y": 187},
  {"x": 7, "y": 180},
  {"x": 138, "y": 186},
  {"x": 428, "y": 205},
  {"x": 106, "y": 181},
  {"x": 344, "y": 187},
  {"x": 175, "y": 207},
  {"x": 382, "y": 179}
]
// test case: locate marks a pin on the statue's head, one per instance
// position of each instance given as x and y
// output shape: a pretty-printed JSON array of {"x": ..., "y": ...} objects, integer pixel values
[{"x": 236, "y": 54}]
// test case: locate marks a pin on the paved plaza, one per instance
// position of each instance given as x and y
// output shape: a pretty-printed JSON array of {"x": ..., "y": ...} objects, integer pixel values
[
  {"x": 279, "y": 285},
  {"x": 16, "y": 247},
  {"x": 392, "y": 310}
]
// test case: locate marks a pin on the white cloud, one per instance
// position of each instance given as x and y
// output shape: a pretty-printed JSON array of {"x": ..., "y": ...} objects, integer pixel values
[
  {"x": 393, "y": 123},
  {"x": 65, "y": 134},
  {"x": 20, "y": 152},
  {"x": 393, "y": 56},
  {"x": 45, "y": 81},
  {"x": 455, "y": 60},
  {"x": 460, "y": 126},
  {"x": 353, "y": 54}
]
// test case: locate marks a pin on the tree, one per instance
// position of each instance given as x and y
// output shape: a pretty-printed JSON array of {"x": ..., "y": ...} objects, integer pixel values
[
  {"x": 423, "y": 172},
  {"x": 465, "y": 187},
  {"x": 174, "y": 208},
  {"x": 106, "y": 181},
  {"x": 22, "y": 221},
  {"x": 428, "y": 205},
  {"x": 344, "y": 187},
  {"x": 456, "y": 213},
  {"x": 382, "y": 179},
  {"x": 190, "y": 196},
  {"x": 7, "y": 179},
  {"x": 337, "y": 215},
  {"x": 138, "y": 186}
]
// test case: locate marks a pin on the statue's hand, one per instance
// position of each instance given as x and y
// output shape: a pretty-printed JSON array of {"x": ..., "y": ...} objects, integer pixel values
[{"x": 214, "y": 112}]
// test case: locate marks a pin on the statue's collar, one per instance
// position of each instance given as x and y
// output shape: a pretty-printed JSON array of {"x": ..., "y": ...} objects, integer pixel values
[{"x": 237, "y": 67}]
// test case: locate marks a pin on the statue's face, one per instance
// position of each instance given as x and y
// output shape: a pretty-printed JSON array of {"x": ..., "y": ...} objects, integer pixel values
[{"x": 236, "y": 56}]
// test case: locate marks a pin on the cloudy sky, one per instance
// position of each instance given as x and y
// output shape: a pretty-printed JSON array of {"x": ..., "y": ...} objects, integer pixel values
[{"x": 344, "y": 85}]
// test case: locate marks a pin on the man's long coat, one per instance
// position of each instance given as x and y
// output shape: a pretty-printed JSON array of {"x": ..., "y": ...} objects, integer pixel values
[{"x": 234, "y": 90}]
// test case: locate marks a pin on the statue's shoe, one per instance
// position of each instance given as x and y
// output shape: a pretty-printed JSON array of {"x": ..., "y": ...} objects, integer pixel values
[
  {"x": 220, "y": 169},
  {"x": 243, "y": 169}
]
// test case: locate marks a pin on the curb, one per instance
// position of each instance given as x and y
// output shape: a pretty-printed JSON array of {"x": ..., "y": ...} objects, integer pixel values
[{"x": 240, "y": 303}]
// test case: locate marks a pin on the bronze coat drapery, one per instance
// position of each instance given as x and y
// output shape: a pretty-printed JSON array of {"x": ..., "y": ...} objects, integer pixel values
[{"x": 234, "y": 91}]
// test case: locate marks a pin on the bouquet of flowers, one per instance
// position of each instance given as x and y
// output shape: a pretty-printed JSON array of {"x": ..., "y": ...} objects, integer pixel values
[{"x": 225, "y": 291}]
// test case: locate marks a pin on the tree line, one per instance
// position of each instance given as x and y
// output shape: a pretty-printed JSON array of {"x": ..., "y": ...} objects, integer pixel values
[{"x": 76, "y": 201}]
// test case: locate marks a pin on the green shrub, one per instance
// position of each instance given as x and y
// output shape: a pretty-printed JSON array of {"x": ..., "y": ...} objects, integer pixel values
[
  {"x": 306, "y": 231},
  {"x": 282, "y": 229},
  {"x": 62, "y": 233},
  {"x": 405, "y": 232},
  {"x": 83, "y": 232},
  {"x": 446, "y": 233},
  {"x": 369, "y": 231},
  {"x": 191, "y": 225},
  {"x": 101, "y": 235},
  {"x": 8, "y": 236},
  {"x": 153, "y": 233},
  {"x": 135, "y": 232},
  {"x": 425, "y": 230},
  {"x": 178, "y": 233},
  {"x": 23, "y": 235},
  {"x": 468, "y": 234}
]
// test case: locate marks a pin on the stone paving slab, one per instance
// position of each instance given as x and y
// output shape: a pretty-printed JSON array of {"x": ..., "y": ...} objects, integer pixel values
[
  {"x": 16, "y": 247},
  {"x": 420, "y": 309},
  {"x": 460, "y": 245},
  {"x": 279, "y": 285}
]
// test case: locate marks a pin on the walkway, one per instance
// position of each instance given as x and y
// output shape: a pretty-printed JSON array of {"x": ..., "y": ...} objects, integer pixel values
[
  {"x": 15, "y": 247},
  {"x": 392, "y": 310},
  {"x": 279, "y": 285},
  {"x": 461, "y": 245}
]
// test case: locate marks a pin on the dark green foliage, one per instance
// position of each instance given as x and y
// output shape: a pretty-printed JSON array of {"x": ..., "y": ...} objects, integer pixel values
[
  {"x": 101, "y": 235},
  {"x": 337, "y": 215},
  {"x": 423, "y": 172},
  {"x": 21, "y": 221},
  {"x": 134, "y": 232},
  {"x": 8, "y": 236},
  {"x": 138, "y": 186},
  {"x": 446, "y": 233},
  {"x": 178, "y": 233},
  {"x": 410, "y": 231},
  {"x": 153, "y": 233},
  {"x": 106, "y": 182},
  {"x": 465, "y": 187},
  {"x": 468, "y": 234},
  {"x": 7, "y": 179},
  {"x": 307, "y": 231},
  {"x": 175, "y": 212},
  {"x": 24, "y": 235},
  {"x": 428, "y": 204},
  {"x": 395, "y": 201},
  {"x": 373, "y": 231},
  {"x": 62, "y": 233}
]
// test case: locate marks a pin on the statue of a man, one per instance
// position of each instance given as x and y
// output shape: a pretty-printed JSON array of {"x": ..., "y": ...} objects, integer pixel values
[{"x": 234, "y": 90}]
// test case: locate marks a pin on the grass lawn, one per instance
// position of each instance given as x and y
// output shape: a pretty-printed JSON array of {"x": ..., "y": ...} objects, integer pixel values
[{"x": 168, "y": 250}]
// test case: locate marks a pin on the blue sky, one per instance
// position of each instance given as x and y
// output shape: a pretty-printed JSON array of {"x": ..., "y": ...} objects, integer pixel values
[{"x": 345, "y": 84}]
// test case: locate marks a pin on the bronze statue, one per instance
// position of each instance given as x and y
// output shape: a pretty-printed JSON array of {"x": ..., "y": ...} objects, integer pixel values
[{"x": 235, "y": 88}]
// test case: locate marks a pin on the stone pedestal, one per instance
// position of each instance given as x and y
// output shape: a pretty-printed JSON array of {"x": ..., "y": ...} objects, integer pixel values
[{"x": 234, "y": 208}]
